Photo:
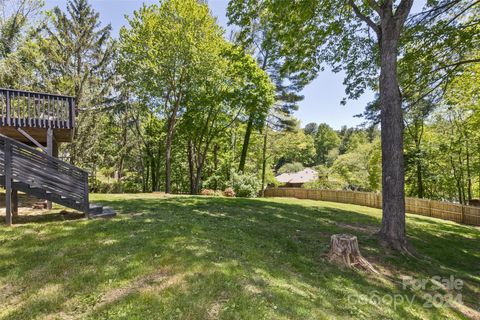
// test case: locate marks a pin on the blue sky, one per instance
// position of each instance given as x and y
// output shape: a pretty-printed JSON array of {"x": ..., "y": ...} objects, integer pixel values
[{"x": 322, "y": 96}]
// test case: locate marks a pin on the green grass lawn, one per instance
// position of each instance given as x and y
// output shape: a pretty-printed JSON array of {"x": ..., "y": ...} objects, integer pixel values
[{"x": 208, "y": 258}]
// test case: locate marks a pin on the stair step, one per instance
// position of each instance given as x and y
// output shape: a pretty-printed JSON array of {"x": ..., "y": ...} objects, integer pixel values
[
  {"x": 98, "y": 211},
  {"x": 95, "y": 209}
]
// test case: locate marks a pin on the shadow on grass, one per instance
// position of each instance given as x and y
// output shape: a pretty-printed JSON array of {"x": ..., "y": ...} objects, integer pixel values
[
  {"x": 242, "y": 259},
  {"x": 46, "y": 216}
]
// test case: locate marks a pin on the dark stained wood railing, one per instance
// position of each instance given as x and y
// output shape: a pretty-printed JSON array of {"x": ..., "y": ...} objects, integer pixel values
[
  {"x": 37, "y": 110},
  {"x": 30, "y": 167}
]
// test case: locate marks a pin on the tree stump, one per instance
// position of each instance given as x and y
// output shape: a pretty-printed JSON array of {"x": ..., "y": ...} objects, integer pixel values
[{"x": 344, "y": 251}]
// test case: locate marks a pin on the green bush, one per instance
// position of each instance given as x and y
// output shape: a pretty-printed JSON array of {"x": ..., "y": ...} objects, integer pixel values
[
  {"x": 246, "y": 185},
  {"x": 215, "y": 182},
  {"x": 131, "y": 183},
  {"x": 291, "y": 168},
  {"x": 98, "y": 186},
  {"x": 128, "y": 184},
  {"x": 326, "y": 180}
]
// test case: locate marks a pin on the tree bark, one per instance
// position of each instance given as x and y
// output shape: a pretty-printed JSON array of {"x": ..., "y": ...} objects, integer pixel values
[
  {"x": 147, "y": 175},
  {"x": 124, "y": 145},
  {"x": 344, "y": 251},
  {"x": 191, "y": 169},
  {"x": 168, "y": 147},
  {"x": 392, "y": 232},
  {"x": 168, "y": 166},
  {"x": 420, "y": 190},
  {"x": 215, "y": 164},
  {"x": 264, "y": 159},
  {"x": 418, "y": 162},
  {"x": 246, "y": 142},
  {"x": 198, "y": 177},
  {"x": 153, "y": 174},
  {"x": 469, "y": 174}
]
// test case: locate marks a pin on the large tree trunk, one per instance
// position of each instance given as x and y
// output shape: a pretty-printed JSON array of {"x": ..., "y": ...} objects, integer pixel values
[
  {"x": 215, "y": 164},
  {"x": 246, "y": 142},
  {"x": 418, "y": 163},
  {"x": 264, "y": 160},
  {"x": 168, "y": 166},
  {"x": 420, "y": 191},
  {"x": 146, "y": 175},
  {"x": 198, "y": 178},
  {"x": 168, "y": 146},
  {"x": 123, "y": 154},
  {"x": 469, "y": 174},
  {"x": 191, "y": 167},
  {"x": 153, "y": 169},
  {"x": 393, "y": 232}
]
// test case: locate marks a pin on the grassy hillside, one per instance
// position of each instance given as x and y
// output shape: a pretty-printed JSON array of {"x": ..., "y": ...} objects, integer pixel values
[{"x": 208, "y": 258}]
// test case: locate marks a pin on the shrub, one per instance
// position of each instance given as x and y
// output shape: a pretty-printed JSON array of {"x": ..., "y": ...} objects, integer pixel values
[
  {"x": 207, "y": 192},
  {"x": 246, "y": 185},
  {"x": 229, "y": 192},
  {"x": 215, "y": 182},
  {"x": 131, "y": 183},
  {"x": 128, "y": 184}
]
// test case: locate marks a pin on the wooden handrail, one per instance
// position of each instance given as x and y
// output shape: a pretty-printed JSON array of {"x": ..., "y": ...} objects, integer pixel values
[
  {"x": 21, "y": 108},
  {"x": 38, "y": 93},
  {"x": 41, "y": 154}
]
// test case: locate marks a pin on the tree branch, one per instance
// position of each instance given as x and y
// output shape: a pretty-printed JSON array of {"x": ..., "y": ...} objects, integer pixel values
[
  {"x": 364, "y": 18},
  {"x": 402, "y": 12},
  {"x": 458, "y": 63},
  {"x": 442, "y": 8}
]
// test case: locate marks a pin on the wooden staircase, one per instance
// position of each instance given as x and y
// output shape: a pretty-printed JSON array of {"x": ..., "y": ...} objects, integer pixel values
[
  {"x": 35, "y": 173},
  {"x": 36, "y": 117}
]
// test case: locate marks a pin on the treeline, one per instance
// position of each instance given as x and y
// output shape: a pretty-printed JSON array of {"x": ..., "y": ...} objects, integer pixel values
[
  {"x": 170, "y": 105},
  {"x": 442, "y": 149}
]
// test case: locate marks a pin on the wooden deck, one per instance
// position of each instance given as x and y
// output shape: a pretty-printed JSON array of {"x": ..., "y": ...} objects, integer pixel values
[{"x": 35, "y": 113}]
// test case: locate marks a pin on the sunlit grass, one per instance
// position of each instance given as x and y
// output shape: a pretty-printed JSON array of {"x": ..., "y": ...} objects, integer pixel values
[{"x": 205, "y": 258}]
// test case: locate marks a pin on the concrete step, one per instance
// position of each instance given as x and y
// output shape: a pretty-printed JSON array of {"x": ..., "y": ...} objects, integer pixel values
[{"x": 98, "y": 211}]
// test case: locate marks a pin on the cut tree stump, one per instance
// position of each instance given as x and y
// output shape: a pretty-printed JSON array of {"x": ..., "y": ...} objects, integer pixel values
[{"x": 344, "y": 251}]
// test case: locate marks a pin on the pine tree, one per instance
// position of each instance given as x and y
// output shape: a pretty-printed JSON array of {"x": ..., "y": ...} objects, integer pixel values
[{"x": 78, "y": 55}]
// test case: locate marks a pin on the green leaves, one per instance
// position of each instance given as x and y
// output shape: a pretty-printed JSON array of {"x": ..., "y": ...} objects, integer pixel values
[
  {"x": 167, "y": 46},
  {"x": 178, "y": 63}
]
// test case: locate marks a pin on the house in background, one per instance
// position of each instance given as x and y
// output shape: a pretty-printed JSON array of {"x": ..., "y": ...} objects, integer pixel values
[{"x": 297, "y": 179}]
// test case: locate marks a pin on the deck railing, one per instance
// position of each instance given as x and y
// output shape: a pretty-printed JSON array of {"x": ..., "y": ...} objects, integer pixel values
[{"x": 37, "y": 110}]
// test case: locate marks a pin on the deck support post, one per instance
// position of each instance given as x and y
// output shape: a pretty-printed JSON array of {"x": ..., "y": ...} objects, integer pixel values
[
  {"x": 15, "y": 203},
  {"x": 50, "y": 142},
  {"x": 8, "y": 183},
  {"x": 86, "y": 201}
]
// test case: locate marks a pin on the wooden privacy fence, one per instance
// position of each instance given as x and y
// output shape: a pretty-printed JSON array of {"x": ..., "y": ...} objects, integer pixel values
[{"x": 430, "y": 208}]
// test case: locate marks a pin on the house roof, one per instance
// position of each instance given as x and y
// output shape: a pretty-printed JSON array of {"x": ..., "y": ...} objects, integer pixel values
[{"x": 306, "y": 175}]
